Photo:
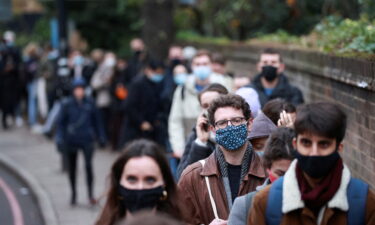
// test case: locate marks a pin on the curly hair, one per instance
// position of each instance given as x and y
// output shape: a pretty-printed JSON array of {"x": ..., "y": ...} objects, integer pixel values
[{"x": 229, "y": 100}]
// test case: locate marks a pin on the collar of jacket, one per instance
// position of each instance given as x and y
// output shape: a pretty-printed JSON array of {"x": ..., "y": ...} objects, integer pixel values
[
  {"x": 211, "y": 167},
  {"x": 292, "y": 195},
  {"x": 281, "y": 84}
]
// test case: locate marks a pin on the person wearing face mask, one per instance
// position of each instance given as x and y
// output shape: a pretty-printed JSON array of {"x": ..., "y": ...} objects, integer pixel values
[
  {"x": 185, "y": 105},
  {"x": 262, "y": 128},
  {"x": 278, "y": 155},
  {"x": 201, "y": 141},
  {"x": 101, "y": 85},
  {"x": 271, "y": 82},
  {"x": 143, "y": 107},
  {"x": 140, "y": 180},
  {"x": 318, "y": 187},
  {"x": 209, "y": 187},
  {"x": 138, "y": 60}
]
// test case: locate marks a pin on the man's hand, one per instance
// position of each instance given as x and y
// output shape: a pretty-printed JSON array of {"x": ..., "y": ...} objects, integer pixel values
[
  {"x": 219, "y": 222},
  {"x": 146, "y": 126},
  {"x": 286, "y": 120},
  {"x": 202, "y": 128}
]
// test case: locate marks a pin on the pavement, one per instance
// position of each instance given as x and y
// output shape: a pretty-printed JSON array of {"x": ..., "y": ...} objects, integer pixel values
[{"x": 36, "y": 161}]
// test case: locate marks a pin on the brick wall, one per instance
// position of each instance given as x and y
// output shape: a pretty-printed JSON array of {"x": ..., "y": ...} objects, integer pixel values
[{"x": 349, "y": 82}]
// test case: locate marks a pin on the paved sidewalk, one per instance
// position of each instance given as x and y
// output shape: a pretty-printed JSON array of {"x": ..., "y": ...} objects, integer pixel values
[{"x": 38, "y": 156}]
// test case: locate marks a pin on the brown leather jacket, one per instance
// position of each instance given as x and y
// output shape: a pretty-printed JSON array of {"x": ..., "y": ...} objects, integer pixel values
[
  {"x": 195, "y": 202},
  {"x": 298, "y": 214}
]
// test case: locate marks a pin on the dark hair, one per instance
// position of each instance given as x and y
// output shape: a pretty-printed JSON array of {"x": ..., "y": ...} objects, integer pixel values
[
  {"x": 271, "y": 51},
  {"x": 155, "y": 64},
  {"x": 214, "y": 87},
  {"x": 279, "y": 146},
  {"x": 321, "y": 118},
  {"x": 273, "y": 108},
  {"x": 113, "y": 210},
  {"x": 149, "y": 218},
  {"x": 202, "y": 52},
  {"x": 229, "y": 100},
  {"x": 218, "y": 58}
]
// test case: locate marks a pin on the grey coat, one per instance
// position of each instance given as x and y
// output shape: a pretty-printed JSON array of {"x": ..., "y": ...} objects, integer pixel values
[{"x": 241, "y": 206}]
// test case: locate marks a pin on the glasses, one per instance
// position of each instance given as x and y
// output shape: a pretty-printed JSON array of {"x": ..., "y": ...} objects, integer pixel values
[{"x": 236, "y": 121}]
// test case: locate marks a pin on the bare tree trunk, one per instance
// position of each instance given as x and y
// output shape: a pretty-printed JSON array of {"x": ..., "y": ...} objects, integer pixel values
[{"x": 158, "y": 31}]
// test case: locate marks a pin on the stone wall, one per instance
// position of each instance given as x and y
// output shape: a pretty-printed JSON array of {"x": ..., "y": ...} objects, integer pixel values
[{"x": 349, "y": 82}]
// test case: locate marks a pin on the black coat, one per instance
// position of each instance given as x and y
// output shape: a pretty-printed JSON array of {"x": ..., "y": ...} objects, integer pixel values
[
  {"x": 283, "y": 90},
  {"x": 194, "y": 152},
  {"x": 144, "y": 105},
  {"x": 79, "y": 124}
]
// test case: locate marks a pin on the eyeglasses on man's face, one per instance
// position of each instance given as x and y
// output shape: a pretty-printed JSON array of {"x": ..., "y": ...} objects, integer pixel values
[{"x": 236, "y": 121}]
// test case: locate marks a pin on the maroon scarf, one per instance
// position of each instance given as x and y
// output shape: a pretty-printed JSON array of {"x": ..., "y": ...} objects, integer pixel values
[{"x": 317, "y": 197}]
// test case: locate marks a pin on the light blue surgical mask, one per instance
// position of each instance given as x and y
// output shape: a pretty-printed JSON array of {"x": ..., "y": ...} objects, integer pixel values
[
  {"x": 157, "y": 77},
  {"x": 180, "y": 78},
  {"x": 78, "y": 60},
  {"x": 202, "y": 72}
]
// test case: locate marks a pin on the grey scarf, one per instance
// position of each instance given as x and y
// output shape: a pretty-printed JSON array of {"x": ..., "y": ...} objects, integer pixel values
[{"x": 223, "y": 165}]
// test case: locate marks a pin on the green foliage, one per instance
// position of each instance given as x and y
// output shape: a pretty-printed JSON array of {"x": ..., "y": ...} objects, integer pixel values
[
  {"x": 192, "y": 36},
  {"x": 346, "y": 36},
  {"x": 39, "y": 35},
  {"x": 279, "y": 36}
]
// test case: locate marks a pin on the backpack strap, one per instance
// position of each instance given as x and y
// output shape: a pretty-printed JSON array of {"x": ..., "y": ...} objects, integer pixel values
[
  {"x": 183, "y": 92},
  {"x": 274, "y": 203},
  {"x": 357, "y": 198},
  {"x": 213, "y": 204}
]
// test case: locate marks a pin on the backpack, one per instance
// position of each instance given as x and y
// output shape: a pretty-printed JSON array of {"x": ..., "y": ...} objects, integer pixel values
[{"x": 356, "y": 193}]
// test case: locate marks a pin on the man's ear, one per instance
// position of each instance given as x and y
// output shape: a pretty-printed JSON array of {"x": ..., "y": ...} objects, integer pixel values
[
  {"x": 294, "y": 142},
  {"x": 340, "y": 148},
  {"x": 249, "y": 125},
  {"x": 281, "y": 68},
  {"x": 212, "y": 129},
  {"x": 259, "y": 68}
]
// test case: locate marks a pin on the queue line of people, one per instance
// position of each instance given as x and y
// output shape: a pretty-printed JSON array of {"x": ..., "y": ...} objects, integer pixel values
[{"x": 201, "y": 146}]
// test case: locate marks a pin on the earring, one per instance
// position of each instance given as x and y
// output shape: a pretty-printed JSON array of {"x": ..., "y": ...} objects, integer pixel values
[{"x": 165, "y": 195}]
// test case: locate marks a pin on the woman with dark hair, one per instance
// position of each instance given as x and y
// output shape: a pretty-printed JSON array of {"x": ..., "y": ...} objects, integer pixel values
[{"x": 140, "y": 179}]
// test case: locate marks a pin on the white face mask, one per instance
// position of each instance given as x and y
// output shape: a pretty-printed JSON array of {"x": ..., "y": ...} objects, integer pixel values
[{"x": 110, "y": 61}]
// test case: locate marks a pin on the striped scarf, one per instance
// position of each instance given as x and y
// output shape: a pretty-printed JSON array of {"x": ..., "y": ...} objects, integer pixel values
[{"x": 223, "y": 165}]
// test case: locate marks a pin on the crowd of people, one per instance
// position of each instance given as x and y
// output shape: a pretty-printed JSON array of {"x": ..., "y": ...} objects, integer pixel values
[{"x": 199, "y": 145}]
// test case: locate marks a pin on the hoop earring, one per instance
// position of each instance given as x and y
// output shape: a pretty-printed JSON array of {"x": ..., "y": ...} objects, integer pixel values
[{"x": 165, "y": 195}]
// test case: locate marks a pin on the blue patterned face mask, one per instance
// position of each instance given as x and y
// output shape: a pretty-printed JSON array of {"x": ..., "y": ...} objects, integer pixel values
[{"x": 232, "y": 137}]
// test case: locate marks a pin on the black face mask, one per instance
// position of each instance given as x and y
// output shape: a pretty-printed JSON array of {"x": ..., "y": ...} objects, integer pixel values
[
  {"x": 135, "y": 200},
  {"x": 317, "y": 166},
  {"x": 175, "y": 62},
  {"x": 269, "y": 73}
]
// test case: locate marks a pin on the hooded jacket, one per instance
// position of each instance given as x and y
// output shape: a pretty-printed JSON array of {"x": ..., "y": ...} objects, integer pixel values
[
  {"x": 283, "y": 90},
  {"x": 262, "y": 127}
]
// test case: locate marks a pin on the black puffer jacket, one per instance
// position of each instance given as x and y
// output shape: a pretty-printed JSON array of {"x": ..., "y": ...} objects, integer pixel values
[{"x": 283, "y": 90}]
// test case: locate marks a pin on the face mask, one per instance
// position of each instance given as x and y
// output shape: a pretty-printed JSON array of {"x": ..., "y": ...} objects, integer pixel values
[
  {"x": 110, "y": 61},
  {"x": 269, "y": 73},
  {"x": 175, "y": 62},
  {"x": 180, "y": 78},
  {"x": 232, "y": 137},
  {"x": 202, "y": 72},
  {"x": 260, "y": 153},
  {"x": 271, "y": 176},
  {"x": 78, "y": 60},
  {"x": 317, "y": 166},
  {"x": 135, "y": 200},
  {"x": 156, "y": 78}
]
